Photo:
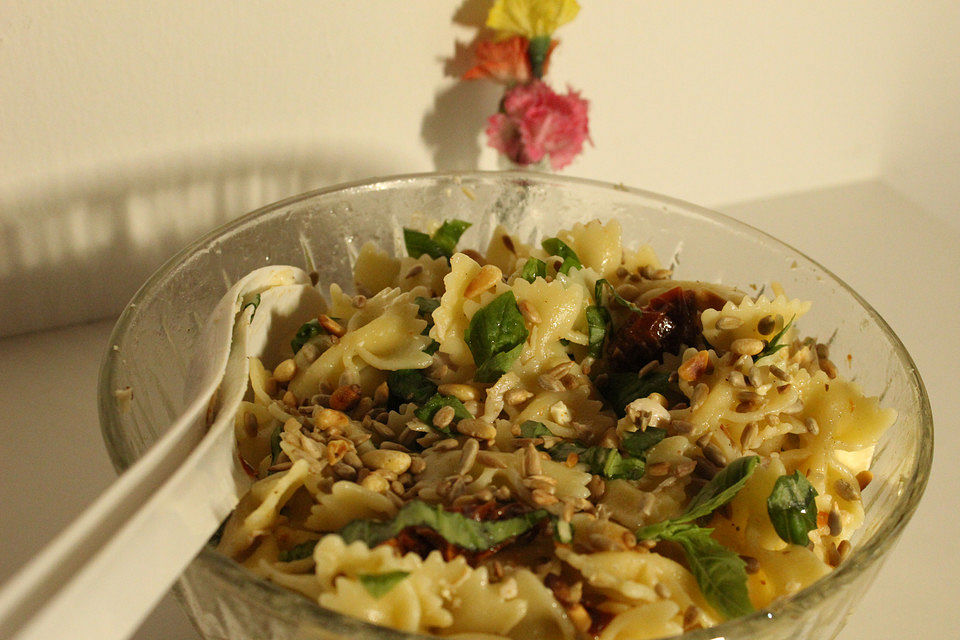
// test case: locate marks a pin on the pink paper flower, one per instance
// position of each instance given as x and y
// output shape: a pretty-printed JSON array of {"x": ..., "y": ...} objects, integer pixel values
[{"x": 536, "y": 122}]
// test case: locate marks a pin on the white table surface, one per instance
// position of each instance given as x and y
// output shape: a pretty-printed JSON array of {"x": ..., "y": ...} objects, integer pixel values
[{"x": 902, "y": 260}]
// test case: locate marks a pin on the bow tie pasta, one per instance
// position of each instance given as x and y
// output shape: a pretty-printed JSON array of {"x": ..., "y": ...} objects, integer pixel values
[{"x": 554, "y": 441}]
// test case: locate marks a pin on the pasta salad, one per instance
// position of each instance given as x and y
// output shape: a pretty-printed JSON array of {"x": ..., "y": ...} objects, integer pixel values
[{"x": 554, "y": 441}]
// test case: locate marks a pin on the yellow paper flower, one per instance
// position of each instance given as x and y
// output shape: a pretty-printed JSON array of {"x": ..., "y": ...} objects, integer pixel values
[{"x": 530, "y": 18}]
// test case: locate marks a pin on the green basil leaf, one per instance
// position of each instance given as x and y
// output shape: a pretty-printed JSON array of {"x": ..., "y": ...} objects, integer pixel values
[
  {"x": 409, "y": 385},
  {"x": 418, "y": 243},
  {"x": 722, "y": 488},
  {"x": 380, "y": 584},
  {"x": 426, "y": 307},
  {"x": 598, "y": 295},
  {"x": 426, "y": 412},
  {"x": 534, "y": 429},
  {"x": 497, "y": 365},
  {"x": 792, "y": 508},
  {"x": 275, "y": 449},
  {"x": 298, "y": 552},
  {"x": 562, "y": 450},
  {"x": 533, "y": 268},
  {"x": 715, "y": 494},
  {"x": 659, "y": 531},
  {"x": 495, "y": 335},
  {"x": 253, "y": 301},
  {"x": 719, "y": 571},
  {"x": 307, "y": 331},
  {"x": 639, "y": 442},
  {"x": 620, "y": 389},
  {"x": 774, "y": 345},
  {"x": 455, "y": 528},
  {"x": 557, "y": 247},
  {"x": 598, "y": 319},
  {"x": 601, "y": 461},
  {"x": 618, "y": 466},
  {"x": 442, "y": 244},
  {"x": 448, "y": 235}
]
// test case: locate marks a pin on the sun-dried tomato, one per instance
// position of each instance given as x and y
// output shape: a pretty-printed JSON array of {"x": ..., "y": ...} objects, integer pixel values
[
  {"x": 491, "y": 510},
  {"x": 667, "y": 322}
]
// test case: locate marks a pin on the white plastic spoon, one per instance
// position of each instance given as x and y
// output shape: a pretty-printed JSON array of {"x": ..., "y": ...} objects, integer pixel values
[{"x": 102, "y": 575}]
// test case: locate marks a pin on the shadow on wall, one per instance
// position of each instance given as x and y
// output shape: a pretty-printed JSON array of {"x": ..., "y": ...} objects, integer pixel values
[
  {"x": 79, "y": 252},
  {"x": 452, "y": 128}
]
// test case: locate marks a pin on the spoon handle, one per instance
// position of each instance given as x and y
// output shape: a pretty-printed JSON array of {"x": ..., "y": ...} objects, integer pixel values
[
  {"x": 100, "y": 578},
  {"x": 103, "y": 574}
]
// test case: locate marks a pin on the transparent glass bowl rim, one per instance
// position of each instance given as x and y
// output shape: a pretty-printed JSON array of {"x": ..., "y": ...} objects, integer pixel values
[{"x": 864, "y": 555}]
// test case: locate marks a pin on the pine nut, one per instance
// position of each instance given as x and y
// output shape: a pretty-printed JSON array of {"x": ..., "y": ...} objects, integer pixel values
[
  {"x": 394, "y": 461},
  {"x": 376, "y": 483},
  {"x": 747, "y": 346},
  {"x": 477, "y": 428},
  {"x": 331, "y": 326},
  {"x": 488, "y": 276},
  {"x": 285, "y": 370},
  {"x": 443, "y": 417},
  {"x": 517, "y": 396},
  {"x": 529, "y": 312},
  {"x": 462, "y": 392},
  {"x": 417, "y": 465},
  {"x": 327, "y": 419}
]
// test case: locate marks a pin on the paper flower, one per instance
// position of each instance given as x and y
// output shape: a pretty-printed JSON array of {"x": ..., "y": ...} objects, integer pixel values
[
  {"x": 535, "y": 123},
  {"x": 530, "y": 18},
  {"x": 506, "y": 61}
]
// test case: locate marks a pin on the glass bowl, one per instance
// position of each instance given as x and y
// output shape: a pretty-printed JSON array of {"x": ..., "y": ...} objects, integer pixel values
[{"x": 323, "y": 231}]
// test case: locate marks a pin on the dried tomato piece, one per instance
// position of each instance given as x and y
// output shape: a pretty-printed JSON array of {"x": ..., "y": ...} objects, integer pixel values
[
  {"x": 491, "y": 510},
  {"x": 669, "y": 321}
]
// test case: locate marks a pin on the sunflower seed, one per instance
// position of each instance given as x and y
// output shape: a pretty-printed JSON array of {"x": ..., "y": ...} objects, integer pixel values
[
  {"x": 728, "y": 323},
  {"x": 469, "y": 455},
  {"x": 834, "y": 521},
  {"x": 766, "y": 325},
  {"x": 846, "y": 491}
]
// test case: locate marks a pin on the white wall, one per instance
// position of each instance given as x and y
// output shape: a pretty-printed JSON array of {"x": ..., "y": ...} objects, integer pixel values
[{"x": 127, "y": 128}]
